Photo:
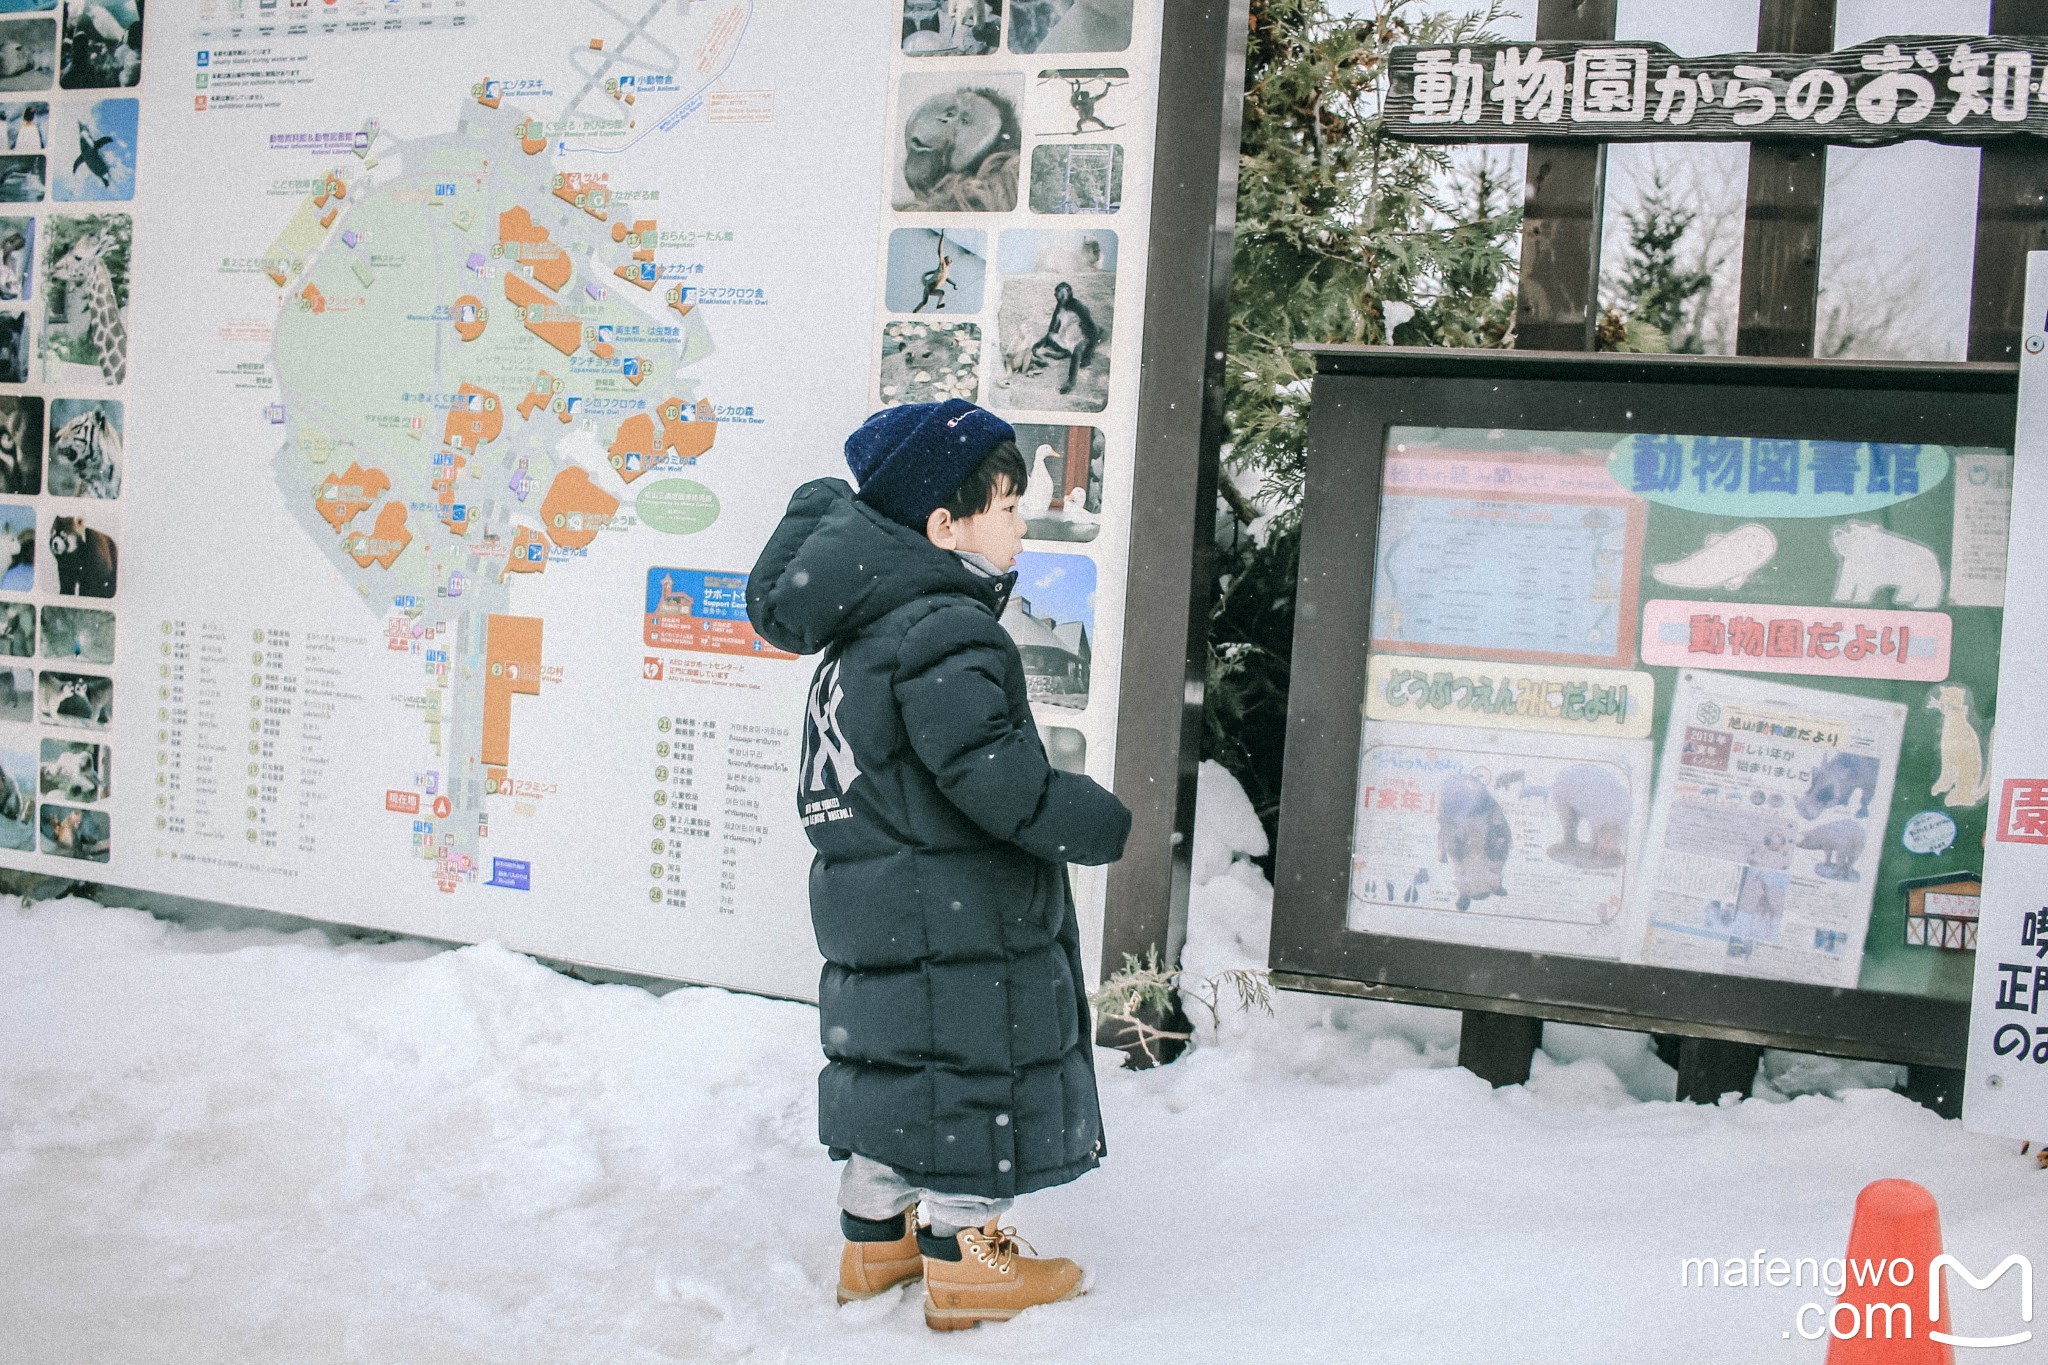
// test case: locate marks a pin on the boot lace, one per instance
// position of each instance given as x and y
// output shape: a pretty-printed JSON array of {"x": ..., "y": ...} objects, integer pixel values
[{"x": 998, "y": 1246}]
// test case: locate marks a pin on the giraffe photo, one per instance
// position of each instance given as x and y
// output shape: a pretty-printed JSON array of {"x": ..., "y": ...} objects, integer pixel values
[{"x": 84, "y": 337}]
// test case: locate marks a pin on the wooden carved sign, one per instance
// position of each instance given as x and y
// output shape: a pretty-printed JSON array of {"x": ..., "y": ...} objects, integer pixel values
[{"x": 1969, "y": 90}]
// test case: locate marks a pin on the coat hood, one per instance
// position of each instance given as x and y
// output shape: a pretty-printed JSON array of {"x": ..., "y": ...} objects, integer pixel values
[{"x": 834, "y": 565}]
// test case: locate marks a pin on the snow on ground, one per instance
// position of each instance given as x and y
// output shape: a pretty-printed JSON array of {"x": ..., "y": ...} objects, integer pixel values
[{"x": 247, "y": 1146}]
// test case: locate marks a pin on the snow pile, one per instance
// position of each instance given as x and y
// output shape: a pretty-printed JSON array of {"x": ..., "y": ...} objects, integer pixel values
[{"x": 241, "y": 1145}]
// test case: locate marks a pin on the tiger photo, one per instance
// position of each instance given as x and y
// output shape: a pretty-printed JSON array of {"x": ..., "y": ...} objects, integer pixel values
[{"x": 85, "y": 448}]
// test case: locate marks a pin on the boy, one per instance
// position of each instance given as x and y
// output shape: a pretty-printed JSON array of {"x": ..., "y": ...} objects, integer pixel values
[{"x": 959, "y": 1066}]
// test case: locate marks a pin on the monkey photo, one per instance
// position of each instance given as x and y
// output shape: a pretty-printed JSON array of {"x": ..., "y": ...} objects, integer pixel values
[
  {"x": 21, "y": 444},
  {"x": 1076, "y": 101},
  {"x": 961, "y": 144},
  {"x": 1059, "y": 295},
  {"x": 83, "y": 701},
  {"x": 952, "y": 28},
  {"x": 85, "y": 558},
  {"x": 936, "y": 268}
]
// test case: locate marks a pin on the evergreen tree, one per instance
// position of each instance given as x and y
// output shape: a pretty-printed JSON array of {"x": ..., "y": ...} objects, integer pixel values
[
  {"x": 1656, "y": 311},
  {"x": 1339, "y": 229}
]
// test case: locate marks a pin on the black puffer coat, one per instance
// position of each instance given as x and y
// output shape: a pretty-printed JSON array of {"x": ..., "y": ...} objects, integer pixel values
[{"x": 952, "y": 1006}]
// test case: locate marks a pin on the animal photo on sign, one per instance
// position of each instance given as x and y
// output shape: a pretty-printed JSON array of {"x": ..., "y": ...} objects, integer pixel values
[
  {"x": 74, "y": 770},
  {"x": 1051, "y": 618},
  {"x": 21, "y": 443},
  {"x": 17, "y": 630},
  {"x": 84, "y": 337},
  {"x": 28, "y": 54},
  {"x": 1083, "y": 178},
  {"x": 17, "y": 257},
  {"x": 21, "y": 179},
  {"x": 17, "y": 695},
  {"x": 80, "y": 634},
  {"x": 929, "y": 362},
  {"x": 28, "y": 126},
  {"x": 84, "y": 701},
  {"x": 85, "y": 558},
  {"x": 1053, "y": 327},
  {"x": 959, "y": 150},
  {"x": 18, "y": 542},
  {"x": 1070, "y": 25},
  {"x": 934, "y": 270},
  {"x": 69, "y": 832},
  {"x": 1078, "y": 101},
  {"x": 1063, "y": 498},
  {"x": 17, "y": 800},
  {"x": 13, "y": 346},
  {"x": 102, "y": 164},
  {"x": 952, "y": 28},
  {"x": 85, "y": 447},
  {"x": 102, "y": 44}
]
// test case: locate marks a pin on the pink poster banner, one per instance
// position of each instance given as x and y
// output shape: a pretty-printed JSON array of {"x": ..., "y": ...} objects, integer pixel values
[{"x": 1834, "y": 642}]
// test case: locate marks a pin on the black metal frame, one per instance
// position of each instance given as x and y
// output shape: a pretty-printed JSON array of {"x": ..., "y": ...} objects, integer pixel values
[{"x": 1362, "y": 391}]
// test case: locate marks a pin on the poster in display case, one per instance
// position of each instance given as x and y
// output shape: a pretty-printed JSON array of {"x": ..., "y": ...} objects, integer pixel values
[{"x": 1648, "y": 691}]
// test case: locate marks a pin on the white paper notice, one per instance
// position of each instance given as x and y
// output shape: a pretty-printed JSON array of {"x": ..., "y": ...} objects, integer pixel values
[
  {"x": 1765, "y": 830},
  {"x": 1499, "y": 838},
  {"x": 1983, "y": 522}
]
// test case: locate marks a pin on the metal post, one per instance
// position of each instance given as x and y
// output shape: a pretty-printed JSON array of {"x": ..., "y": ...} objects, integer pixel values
[
  {"x": 1180, "y": 431},
  {"x": 1787, "y": 190},
  {"x": 1709, "y": 1068},
  {"x": 1499, "y": 1048},
  {"x": 2012, "y": 214}
]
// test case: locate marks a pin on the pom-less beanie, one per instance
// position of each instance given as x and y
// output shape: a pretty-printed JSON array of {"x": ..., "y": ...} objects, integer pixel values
[{"x": 909, "y": 460}]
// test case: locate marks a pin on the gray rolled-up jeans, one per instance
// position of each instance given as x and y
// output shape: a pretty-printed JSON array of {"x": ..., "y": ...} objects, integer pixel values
[{"x": 870, "y": 1190}]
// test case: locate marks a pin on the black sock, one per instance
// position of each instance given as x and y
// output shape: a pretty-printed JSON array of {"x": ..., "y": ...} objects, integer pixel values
[
  {"x": 938, "y": 1248},
  {"x": 859, "y": 1229}
]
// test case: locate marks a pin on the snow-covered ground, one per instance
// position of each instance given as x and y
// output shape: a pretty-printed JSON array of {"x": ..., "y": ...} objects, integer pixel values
[{"x": 246, "y": 1146}]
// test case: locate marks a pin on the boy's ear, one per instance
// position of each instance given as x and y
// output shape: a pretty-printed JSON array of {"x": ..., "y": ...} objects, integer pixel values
[{"x": 939, "y": 529}]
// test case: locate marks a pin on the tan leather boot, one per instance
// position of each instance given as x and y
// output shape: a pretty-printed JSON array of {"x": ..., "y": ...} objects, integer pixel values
[
  {"x": 992, "y": 1281},
  {"x": 870, "y": 1268}
]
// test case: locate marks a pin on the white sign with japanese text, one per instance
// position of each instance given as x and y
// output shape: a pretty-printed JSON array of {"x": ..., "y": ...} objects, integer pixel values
[{"x": 2007, "y": 1085}]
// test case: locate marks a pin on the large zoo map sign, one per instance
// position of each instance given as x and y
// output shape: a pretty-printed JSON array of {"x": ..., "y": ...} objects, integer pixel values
[{"x": 396, "y": 413}]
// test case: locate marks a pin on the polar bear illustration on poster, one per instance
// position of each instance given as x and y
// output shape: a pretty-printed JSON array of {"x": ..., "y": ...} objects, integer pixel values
[{"x": 1874, "y": 559}]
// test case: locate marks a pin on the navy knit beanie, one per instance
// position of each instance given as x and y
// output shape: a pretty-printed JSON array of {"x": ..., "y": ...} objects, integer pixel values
[{"x": 910, "y": 460}]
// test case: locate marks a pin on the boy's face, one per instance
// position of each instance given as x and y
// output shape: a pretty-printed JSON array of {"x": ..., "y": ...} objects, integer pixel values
[{"x": 996, "y": 533}]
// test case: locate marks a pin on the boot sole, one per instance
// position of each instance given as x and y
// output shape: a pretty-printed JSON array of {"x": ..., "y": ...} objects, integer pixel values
[
  {"x": 847, "y": 1296},
  {"x": 960, "y": 1319}
]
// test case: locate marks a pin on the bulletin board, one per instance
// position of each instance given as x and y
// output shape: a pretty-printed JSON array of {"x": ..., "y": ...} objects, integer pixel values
[{"x": 1654, "y": 691}]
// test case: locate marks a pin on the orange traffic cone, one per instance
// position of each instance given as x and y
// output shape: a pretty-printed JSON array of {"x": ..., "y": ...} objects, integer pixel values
[{"x": 1896, "y": 1221}]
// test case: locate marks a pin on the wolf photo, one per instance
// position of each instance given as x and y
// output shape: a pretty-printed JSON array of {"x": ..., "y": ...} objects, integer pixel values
[
  {"x": 79, "y": 634},
  {"x": 1063, "y": 498},
  {"x": 84, "y": 337},
  {"x": 101, "y": 166},
  {"x": 75, "y": 770},
  {"x": 1051, "y": 618},
  {"x": 929, "y": 362},
  {"x": 28, "y": 53},
  {"x": 85, "y": 447},
  {"x": 1055, "y": 320},
  {"x": 102, "y": 44},
  {"x": 960, "y": 142},
  {"x": 21, "y": 443},
  {"x": 1070, "y": 25},
  {"x": 935, "y": 270},
  {"x": 952, "y": 28}
]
